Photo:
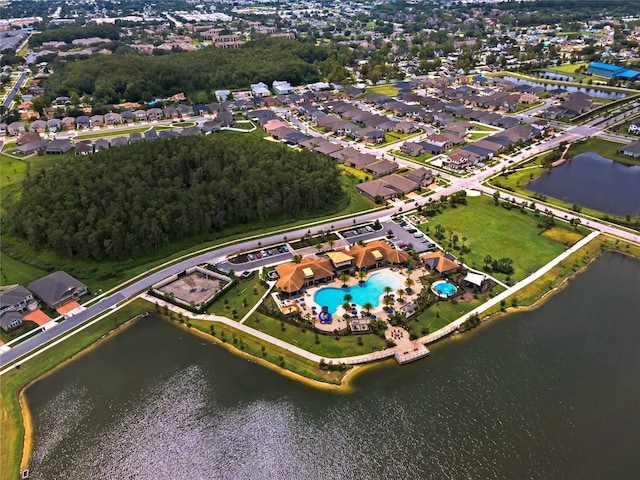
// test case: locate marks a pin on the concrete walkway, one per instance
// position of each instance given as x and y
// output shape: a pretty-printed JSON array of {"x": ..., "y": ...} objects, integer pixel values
[{"x": 406, "y": 350}]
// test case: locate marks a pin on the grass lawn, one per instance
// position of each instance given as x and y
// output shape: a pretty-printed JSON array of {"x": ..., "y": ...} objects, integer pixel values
[
  {"x": 12, "y": 382},
  {"x": 424, "y": 158},
  {"x": 443, "y": 313},
  {"x": 111, "y": 133},
  {"x": 481, "y": 127},
  {"x": 359, "y": 174},
  {"x": 389, "y": 90},
  {"x": 329, "y": 347},
  {"x": 267, "y": 352},
  {"x": 623, "y": 128},
  {"x": 603, "y": 147},
  {"x": 250, "y": 290},
  {"x": 477, "y": 136},
  {"x": 496, "y": 231},
  {"x": 568, "y": 68},
  {"x": 393, "y": 137}
]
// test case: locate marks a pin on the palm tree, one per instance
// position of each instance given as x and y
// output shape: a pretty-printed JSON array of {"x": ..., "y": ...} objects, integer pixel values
[
  {"x": 296, "y": 258},
  {"x": 344, "y": 278},
  {"x": 361, "y": 275},
  {"x": 319, "y": 247},
  {"x": 368, "y": 307},
  {"x": 331, "y": 244},
  {"x": 401, "y": 293},
  {"x": 347, "y": 298},
  {"x": 409, "y": 283},
  {"x": 387, "y": 300},
  {"x": 387, "y": 290}
]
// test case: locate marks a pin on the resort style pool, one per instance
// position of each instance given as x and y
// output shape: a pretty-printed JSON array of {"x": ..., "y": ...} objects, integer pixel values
[{"x": 367, "y": 292}]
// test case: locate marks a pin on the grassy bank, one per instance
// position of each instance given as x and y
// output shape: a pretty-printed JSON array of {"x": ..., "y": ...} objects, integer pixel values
[
  {"x": 11, "y": 383},
  {"x": 320, "y": 344},
  {"x": 280, "y": 358}
]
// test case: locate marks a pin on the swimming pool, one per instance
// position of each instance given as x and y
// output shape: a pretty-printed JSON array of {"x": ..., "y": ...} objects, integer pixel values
[
  {"x": 367, "y": 292},
  {"x": 444, "y": 289}
]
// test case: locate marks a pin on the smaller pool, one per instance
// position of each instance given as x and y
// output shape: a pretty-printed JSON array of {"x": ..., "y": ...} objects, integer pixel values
[{"x": 444, "y": 289}]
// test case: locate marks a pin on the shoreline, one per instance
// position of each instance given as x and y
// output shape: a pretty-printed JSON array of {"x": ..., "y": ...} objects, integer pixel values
[
  {"x": 27, "y": 417},
  {"x": 346, "y": 382}
]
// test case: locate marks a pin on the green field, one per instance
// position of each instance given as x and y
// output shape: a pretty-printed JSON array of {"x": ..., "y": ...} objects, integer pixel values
[
  {"x": 389, "y": 90},
  {"x": 496, "y": 231},
  {"x": 329, "y": 347},
  {"x": 245, "y": 291},
  {"x": 605, "y": 148}
]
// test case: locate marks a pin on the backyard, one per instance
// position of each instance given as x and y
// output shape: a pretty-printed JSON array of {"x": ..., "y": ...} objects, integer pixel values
[{"x": 488, "y": 229}]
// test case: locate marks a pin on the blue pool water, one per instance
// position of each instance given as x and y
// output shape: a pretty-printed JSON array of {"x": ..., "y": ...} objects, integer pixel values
[
  {"x": 445, "y": 289},
  {"x": 369, "y": 291}
]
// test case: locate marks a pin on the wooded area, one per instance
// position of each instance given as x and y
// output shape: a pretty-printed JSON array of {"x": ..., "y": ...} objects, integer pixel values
[
  {"x": 121, "y": 202},
  {"x": 133, "y": 77}
]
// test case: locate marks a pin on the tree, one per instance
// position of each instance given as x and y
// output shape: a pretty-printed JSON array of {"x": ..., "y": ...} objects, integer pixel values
[
  {"x": 296, "y": 258},
  {"x": 408, "y": 283},
  {"x": 368, "y": 307},
  {"x": 496, "y": 198},
  {"x": 401, "y": 293},
  {"x": 361, "y": 275},
  {"x": 344, "y": 278},
  {"x": 347, "y": 298},
  {"x": 487, "y": 261},
  {"x": 38, "y": 104}
]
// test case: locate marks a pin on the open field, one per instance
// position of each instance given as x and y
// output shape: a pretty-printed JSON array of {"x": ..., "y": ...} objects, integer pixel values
[
  {"x": 496, "y": 231},
  {"x": 11, "y": 440},
  {"x": 389, "y": 90},
  {"x": 245, "y": 291},
  {"x": 327, "y": 346}
]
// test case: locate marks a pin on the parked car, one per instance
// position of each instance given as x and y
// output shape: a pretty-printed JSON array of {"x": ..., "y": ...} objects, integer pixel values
[
  {"x": 258, "y": 255},
  {"x": 412, "y": 230},
  {"x": 285, "y": 248},
  {"x": 269, "y": 252},
  {"x": 250, "y": 256},
  {"x": 418, "y": 235}
]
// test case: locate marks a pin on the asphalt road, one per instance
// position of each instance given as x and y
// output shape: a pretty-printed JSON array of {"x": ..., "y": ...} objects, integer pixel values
[{"x": 219, "y": 256}]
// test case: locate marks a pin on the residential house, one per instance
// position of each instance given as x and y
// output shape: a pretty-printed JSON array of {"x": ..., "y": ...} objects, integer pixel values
[
  {"x": 422, "y": 176},
  {"x": 281, "y": 87},
  {"x": 155, "y": 114},
  {"x": 118, "y": 141},
  {"x": 17, "y": 298},
  {"x": 170, "y": 113},
  {"x": 83, "y": 147},
  {"x": 58, "y": 147},
  {"x": 380, "y": 168},
  {"x": 186, "y": 111},
  {"x": 83, "y": 121},
  {"x": 412, "y": 149},
  {"x": 58, "y": 288},
  {"x": 10, "y": 320},
  {"x": 16, "y": 128},
  {"x": 96, "y": 120},
  {"x": 140, "y": 116},
  {"x": 39, "y": 126},
  {"x": 112, "y": 118},
  {"x": 376, "y": 190},
  {"x": 101, "y": 144},
  {"x": 259, "y": 89},
  {"x": 127, "y": 116},
  {"x": 54, "y": 124},
  {"x": 631, "y": 150}
]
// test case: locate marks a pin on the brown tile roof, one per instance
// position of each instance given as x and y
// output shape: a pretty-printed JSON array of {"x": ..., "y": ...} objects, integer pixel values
[
  {"x": 443, "y": 263},
  {"x": 365, "y": 256},
  {"x": 293, "y": 277}
]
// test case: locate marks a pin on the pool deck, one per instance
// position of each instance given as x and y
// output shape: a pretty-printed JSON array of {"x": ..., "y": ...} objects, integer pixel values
[{"x": 307, "y": 301}]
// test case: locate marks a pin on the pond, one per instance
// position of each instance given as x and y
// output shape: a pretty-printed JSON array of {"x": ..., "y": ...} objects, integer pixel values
[
  {"x": 592, "y": 92},
  {"x": 546, "y": 393},
  {"x": 557, "y": 76},
  {"x": 594, "y": 182}
]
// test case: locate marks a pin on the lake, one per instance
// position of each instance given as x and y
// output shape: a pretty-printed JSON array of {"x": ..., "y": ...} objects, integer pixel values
[
  {"x": 546, "y": 393},
  {"x": 592, "y": 92},
  {"x": 595, "y": 182}
]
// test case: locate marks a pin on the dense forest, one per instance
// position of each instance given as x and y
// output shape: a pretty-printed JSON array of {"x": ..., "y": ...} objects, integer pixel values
[
  {"x": 121, "y": 202},
  {"x": 132, "y": 77}
]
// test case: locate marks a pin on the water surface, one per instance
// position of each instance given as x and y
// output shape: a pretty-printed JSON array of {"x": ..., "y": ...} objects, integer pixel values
[
  {"x": 592, "y": 92},
  {"x": 595, "y": 182},
  {"x": 551, "y": 393}
]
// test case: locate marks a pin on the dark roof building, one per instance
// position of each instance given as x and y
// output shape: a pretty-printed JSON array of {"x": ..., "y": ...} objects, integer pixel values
[{"x": 58, "y": 288}]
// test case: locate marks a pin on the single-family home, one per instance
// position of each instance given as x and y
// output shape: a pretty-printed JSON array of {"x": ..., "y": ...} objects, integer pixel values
[
  {"x": 17, "y": 298},
  {"x": 58, "y": 288},
  {"x": 631, "y": 150},
  {"x": 422, "y": 176}
]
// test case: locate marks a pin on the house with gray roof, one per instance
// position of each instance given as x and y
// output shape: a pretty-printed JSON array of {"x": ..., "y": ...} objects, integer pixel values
[
  {"x": 381, "y": 167},
  {"x": 58, "y": 288},
  {"x": 10, "y": 320},
  {"x": 17, "y": 298},
  {"x": 376, "y": 189}
]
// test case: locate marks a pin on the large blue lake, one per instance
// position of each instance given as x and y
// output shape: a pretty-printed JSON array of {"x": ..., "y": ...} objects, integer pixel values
[
  {"x": 595, "y": 182},
  {"x": 551, "y": 393}
]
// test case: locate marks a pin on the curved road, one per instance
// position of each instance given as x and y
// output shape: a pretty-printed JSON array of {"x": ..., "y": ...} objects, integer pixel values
[{"x": 217, "y": 255}]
